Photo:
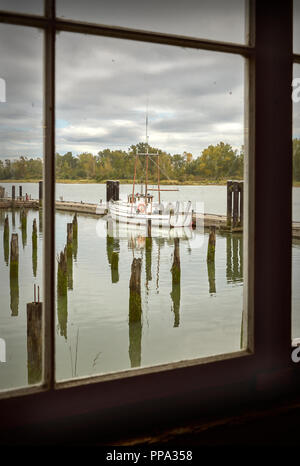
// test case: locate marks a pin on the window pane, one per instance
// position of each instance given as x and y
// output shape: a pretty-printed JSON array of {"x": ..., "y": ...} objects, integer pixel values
[
  {"x": 29, "y": 6},
  {"x": 209, "y": 19},
  {"x": 21, "y": 158},
  {"x": 296, "y": 205},
  {"x": 127, "y": 297},
  {"x": 296, "y": 28}
]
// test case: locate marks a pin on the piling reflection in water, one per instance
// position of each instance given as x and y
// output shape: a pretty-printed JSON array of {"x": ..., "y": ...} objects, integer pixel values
[
  {"x": 34, "y": 247},
  {"x": 40, "y": 220},
  {"x": 6, "y": 240},
  {"x": 13, "y": 218},
  {"x": 112, "y": 251},
  {"x": 135, "y": 314},
  {"x": 234, "y": 255},
  {"x": 23, "y": 221},
  {"x": 160, "y": 243},
  {"x": 144, "y": 281},
  {"x": 75, "y": 237},
  {"x": 14, "y": 274},
  {"x": 176, "y": 278},
  {"x": 148, "y": 261}
]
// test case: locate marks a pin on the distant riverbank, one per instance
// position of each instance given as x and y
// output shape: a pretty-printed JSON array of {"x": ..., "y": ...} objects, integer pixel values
[
  {"x": 162, "y": 182},
  {"x": 150, "y": 182}
]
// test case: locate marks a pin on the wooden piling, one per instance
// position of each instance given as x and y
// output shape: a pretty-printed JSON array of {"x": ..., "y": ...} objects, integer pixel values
[
  {"x": 70, "y": 255},
  {"x": 112, "y": 190},
  {"x": 13, "y": 195},
  {"x": 149, "y": 228},
  {"x": 176, "y": 278},
  {"x": 6, "y": 240},
  {"x": 241, "y": 191},
  {"x": 114, "y": 265},
  {"x": 135, "y": 303},
  {"x": 211, "y": 272},
  {"x": 20, "y": 192},
  {"x": 23, "y": 218},
  {"x": 69, "y": 233},
  {"x": 116, "y": 190},
  {"x": 40, "y": 193},
  {"x": 229, "y": 203},
  {"x": 176, "y": 272},
  {"x": 34, "y": 342},
  {"x": 75, "y": 226},
  {"x": 14, "y": 274},
  {"x": 148, "y": 259},
  {"x": 62, "y": 273},
  {"x": 235, "y": 215},
  {"x": 2, "y": 192},
  {"x": 62, "y": 295},
  {"x": 135, "y": 313},
  {"x": 14, "y": 249},
  {"x": 34, "y": 247},
  {"x": 211, "y": 249}
]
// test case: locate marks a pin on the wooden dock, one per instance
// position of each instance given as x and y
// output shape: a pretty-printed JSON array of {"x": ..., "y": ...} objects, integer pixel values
[
  {"x": 206, "y": 219},
  {"x": 18, "y": 203},
  {"x": 81, "y": 207}
]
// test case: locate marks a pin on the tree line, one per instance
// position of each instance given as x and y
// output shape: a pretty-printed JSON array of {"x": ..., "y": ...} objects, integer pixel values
[{"x": 216, "y": 163}]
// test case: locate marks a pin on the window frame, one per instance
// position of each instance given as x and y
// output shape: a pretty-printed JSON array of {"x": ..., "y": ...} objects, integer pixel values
[{"x": 266, "y": 363}]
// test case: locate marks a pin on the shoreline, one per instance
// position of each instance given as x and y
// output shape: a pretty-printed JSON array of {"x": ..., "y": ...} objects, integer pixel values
[{"x": 296, "y": 184}]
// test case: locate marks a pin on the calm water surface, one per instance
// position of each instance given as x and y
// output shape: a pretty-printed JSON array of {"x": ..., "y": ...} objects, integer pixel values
[
  {"x": 214, "y": 197},
  {"x": 94, "y": 330}
]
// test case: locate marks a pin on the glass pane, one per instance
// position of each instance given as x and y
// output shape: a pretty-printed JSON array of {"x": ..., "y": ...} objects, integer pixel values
[
  {"x": 136, "y": 294},
  {"x": 296, "y": 28},
  {"x": 21, "y": 159},
  {"x": 209, "y": 19},
  {"x": 296, "y": 205},
  {"x": 29, "y": 6}
]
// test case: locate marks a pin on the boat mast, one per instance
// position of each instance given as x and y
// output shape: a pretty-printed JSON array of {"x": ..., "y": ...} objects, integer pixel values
[
  {"x": 135, "y": 164},
  {"x": 158, "y": 179},
  {"x": 147, "y": 156}
]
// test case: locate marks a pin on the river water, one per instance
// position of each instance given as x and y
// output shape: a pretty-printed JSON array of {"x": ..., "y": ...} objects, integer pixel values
[
  {"x": 95, "y": 329},
  {"x": 213, "y": 197}
]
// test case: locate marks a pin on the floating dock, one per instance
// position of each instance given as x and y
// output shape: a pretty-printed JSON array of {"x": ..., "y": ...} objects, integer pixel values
[
  {"x": 82, "y": 207},
  {"x": 208, "y": 220}
]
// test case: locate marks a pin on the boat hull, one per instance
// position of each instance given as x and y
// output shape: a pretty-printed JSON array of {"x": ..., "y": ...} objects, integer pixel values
[{"x": 126, "y": 213}]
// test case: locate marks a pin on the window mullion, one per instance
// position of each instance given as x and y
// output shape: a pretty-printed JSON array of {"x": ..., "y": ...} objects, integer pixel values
[
  {"x": 273, "y": 181},
  {"x": 49, "y": 195}
]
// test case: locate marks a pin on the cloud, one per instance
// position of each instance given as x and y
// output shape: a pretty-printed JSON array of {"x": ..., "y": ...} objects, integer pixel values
[{"x": 103, "y": 87}]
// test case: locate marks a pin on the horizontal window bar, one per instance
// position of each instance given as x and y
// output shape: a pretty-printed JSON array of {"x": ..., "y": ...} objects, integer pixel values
[
  {"x": 124, "y": 33},
  {"x": 151, "y": 369}
]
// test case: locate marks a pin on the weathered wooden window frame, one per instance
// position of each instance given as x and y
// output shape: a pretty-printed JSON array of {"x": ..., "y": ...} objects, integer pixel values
[{"x": 266, "y": 362}]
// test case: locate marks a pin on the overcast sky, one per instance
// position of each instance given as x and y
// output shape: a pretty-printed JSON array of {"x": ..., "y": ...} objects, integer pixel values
[{"x": 194, "y": 98}]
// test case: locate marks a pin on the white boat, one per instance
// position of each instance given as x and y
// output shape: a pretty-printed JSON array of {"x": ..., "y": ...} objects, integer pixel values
[
  {"x": 140, "y": 208},
  {"x": 143, "y": 210}
]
